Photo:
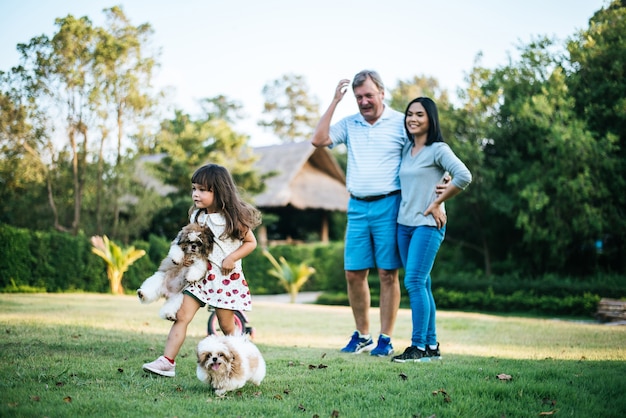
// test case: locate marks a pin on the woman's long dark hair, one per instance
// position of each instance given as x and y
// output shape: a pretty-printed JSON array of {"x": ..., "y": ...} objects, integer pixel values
[{"x": 434, "y": 129}]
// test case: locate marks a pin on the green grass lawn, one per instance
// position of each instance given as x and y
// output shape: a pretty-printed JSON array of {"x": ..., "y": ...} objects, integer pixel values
[{"x": 80, "y": 355}]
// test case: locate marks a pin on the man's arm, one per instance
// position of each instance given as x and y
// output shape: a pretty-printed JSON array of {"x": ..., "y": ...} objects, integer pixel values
[{"x": 321, "y": 136}]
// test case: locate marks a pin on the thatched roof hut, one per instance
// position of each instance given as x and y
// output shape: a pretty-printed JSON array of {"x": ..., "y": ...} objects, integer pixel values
[
  {"x": 305, "y": 178},
  {"x": 307, "y": 184}
]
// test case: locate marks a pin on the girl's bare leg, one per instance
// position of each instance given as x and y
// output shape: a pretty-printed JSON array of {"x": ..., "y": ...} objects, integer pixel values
[
  {"x": 178, "y": 332},
  {"x": 226, "y": 319}
]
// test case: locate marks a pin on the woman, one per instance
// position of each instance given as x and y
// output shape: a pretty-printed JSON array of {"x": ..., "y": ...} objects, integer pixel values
[{"x": 426, "y": 159}]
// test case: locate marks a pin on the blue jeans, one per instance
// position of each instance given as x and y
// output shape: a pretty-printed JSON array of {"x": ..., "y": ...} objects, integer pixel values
[{"x": 418, "y": 248}]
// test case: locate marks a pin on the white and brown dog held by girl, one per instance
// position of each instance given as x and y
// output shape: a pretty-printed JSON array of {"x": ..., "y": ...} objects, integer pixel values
[
  {"x": 186, "y": 262},
  {"x": 228, "y": 362}
]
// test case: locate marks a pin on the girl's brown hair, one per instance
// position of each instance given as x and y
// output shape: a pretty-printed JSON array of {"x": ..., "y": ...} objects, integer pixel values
[{"x": 240, "y": 216}]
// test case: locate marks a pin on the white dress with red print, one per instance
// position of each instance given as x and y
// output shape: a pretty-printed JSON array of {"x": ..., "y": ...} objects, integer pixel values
[{"x": 228, "y": 291}]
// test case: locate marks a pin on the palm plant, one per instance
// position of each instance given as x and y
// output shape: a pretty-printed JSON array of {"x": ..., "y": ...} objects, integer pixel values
[
  {"x": 118, "y": 260},
  {"x": 291, "y": 276}
]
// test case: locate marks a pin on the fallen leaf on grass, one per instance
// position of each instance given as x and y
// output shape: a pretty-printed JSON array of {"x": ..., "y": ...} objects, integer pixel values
[
  {"x": 301, "y": 408},
  {"x": 335, "y": 413},
  {"x": 321, "y": 366},
  {"x": 35, "y": 398},
  {"x": 552, "y": 402},
  {"x": 503, "y": 376},
  {"x": 446, "y": 397},
  {"x": 403, "y": 376},
  {"x": 67, "y": 399}
]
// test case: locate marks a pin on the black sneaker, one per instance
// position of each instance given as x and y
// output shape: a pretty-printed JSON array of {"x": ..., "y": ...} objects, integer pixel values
[
  {"x": 413, "y": 354},
  {"x": 433, "y": 354}
]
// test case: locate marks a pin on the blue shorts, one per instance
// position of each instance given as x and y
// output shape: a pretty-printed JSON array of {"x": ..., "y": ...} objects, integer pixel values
[{"x": 371, "y": 239}]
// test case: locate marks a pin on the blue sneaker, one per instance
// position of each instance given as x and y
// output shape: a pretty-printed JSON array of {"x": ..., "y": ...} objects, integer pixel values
[
  {"x": 384, "y": 347},
  {"x": 358, "y": 344}
]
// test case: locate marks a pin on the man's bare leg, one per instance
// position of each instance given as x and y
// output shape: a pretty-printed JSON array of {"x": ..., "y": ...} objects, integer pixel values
[
  {"x": 389, "y": 300},
  {"x": 359, "y": 297}
]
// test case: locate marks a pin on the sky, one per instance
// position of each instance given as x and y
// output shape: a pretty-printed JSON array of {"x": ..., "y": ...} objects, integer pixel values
[{"x": 235, "y": 47}]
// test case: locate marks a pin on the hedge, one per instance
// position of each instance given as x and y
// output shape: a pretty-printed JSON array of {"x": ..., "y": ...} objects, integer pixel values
[{"x": 51, "y": 261}]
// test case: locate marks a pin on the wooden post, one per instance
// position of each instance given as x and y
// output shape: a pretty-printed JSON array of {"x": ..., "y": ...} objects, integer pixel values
[
  {"x": 262, "y": 236},
  {"x": 324, "y": 232}
]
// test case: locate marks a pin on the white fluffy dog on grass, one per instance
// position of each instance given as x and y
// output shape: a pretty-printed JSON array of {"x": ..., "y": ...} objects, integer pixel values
[
  {"x": 186, "y": 262},
  {"x": 228, "y": 362}
]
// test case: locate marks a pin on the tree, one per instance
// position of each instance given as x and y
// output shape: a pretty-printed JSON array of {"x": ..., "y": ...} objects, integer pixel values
[
  {"x": 292, "y": 114},
  {"x": 123, "y": 74},
  {"x": 22, "y": 170},
  {"x": 186, "y": 144},
  {"x": 597, "y": 81},
  {"x": 56, "y": 71},
  {"x": 118, "y": 260},
  {"x": 221, "y": 107},
  {"x": 290, "y": 276},
  {"x": 405, "y": 91},
  {"x": 66, "y": 86},
  {"x": 473, "y": 223},
  {"x": 547, "y": 166}
]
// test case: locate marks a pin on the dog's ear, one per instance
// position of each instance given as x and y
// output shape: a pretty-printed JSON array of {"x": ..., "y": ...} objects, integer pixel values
[
  {"x": 202, "y": 358},
  {"x": 231, "y": 350},
  {"x": 179, "y": 237}
]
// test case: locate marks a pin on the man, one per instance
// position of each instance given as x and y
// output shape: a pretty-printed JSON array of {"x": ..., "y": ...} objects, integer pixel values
[{"x": 374, "y": 138}]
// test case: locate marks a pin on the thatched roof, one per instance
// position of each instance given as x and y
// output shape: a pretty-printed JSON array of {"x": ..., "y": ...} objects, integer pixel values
[{"x": 306, "y": 177}]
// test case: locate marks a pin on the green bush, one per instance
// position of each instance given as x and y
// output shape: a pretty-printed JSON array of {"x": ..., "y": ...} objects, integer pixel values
[
  {"x": 326, "y": 259},
  {"x": 517, "y": 302},
  {"x": 56, "y": 262},
  {"x": 144, "y": 267},
  {"x": 16, "y": 259}
]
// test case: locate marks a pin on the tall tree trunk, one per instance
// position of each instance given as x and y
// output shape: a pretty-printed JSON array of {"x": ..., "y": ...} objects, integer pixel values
[
  {"x": 72, "y": 137},
  {"x": 118, "y": 163},
  {"x": 99, "y": 174}
]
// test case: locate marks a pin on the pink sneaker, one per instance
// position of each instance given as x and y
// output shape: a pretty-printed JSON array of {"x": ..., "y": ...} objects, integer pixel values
[{"x": 161, "y": 366}]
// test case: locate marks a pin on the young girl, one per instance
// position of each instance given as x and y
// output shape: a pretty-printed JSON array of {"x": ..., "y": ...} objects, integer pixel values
[{"x": 218, "y": 206}]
